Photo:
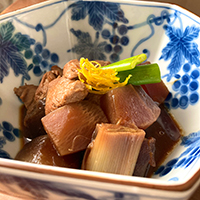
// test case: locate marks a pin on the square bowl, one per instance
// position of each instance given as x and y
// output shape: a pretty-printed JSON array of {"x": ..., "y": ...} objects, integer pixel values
[{"x": 54, "y": 32}]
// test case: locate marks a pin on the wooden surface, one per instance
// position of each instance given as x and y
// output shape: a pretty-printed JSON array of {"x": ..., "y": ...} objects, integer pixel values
[
  {"x": 192, "y": 5},
  {"x": 18, "y": 4}
]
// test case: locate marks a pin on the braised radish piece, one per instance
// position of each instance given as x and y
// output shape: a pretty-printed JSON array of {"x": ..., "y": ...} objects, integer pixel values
[
  {"x": 70, "y": 127},
  {"x": 130, "y": 105}
]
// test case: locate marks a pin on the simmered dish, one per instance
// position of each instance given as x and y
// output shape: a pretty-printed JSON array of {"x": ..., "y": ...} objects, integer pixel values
[{"x": 91, "y": 116}]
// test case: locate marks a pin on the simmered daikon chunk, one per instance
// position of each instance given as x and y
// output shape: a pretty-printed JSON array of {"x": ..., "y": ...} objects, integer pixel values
[
  {"x": 70, "y": 127},
  {"x": 130, "y": 105}
]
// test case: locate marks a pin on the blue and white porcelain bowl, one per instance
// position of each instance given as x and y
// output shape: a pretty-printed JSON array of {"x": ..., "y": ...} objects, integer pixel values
[{"x": 54, "y": 32}]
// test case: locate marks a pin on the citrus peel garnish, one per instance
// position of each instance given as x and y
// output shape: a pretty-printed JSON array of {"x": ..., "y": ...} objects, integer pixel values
[{"x": 97, "y": 80}]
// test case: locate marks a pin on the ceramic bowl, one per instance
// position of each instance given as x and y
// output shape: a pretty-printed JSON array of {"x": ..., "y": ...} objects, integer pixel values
[{"x": 54, "y": 32}]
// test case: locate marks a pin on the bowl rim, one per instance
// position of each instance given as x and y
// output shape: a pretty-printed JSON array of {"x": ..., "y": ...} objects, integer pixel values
[
  {"x": 98, "y": 176},
  {"x": 40, "y": 5},
  {"x": 78, "y": 174}
]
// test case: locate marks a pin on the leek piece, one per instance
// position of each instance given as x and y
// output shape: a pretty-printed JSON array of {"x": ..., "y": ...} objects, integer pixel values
[
  {"x": 126, "y": 64},
  {"x": 142, "y": 74},
  {"x": 114, "y": 150}
]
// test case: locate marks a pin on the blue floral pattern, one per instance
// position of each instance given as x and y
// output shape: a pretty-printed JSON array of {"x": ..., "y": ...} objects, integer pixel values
[
  {"x": 9, "y": 134},
  {"x": 42, "y": 59},
  {"x": 185, "y": 88},
  {"x": 99, "y": 13},
  {"x": 116, "y": 38},
  {"x": 180, "y": 47},
  {"x": 15, "y": 51},
  {"x": 188, "y": 157},
  {"x": 183, "y": 52},
  {"x": 85, "y": 45},
  {"x": 11, "y": 47}
]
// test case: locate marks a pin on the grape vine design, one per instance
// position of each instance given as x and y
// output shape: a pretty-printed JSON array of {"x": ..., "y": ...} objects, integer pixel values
[
  {"x": 188, "y": 157},
  {"x": 16, "y": 49},
  {"x": 11, "y": 47},
  {"x": 42, "y": 59},
  {"x": 185, "y": 88},
  {"x": 180, "y": 48},
  {"x": 10, "y": 134},
  {"x": 98, "y": 13},
  {"x": 22, "y": 54},
  {"x": 115, "y": 38},
  {"x": 184, "y": 55}
]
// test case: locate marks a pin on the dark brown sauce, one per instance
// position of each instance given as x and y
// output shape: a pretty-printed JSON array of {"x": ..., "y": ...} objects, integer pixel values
[{"x": 167, "y": 133}]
